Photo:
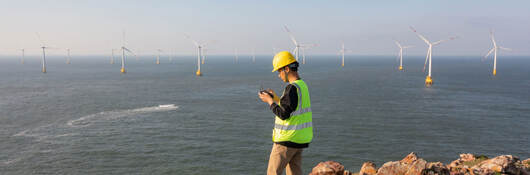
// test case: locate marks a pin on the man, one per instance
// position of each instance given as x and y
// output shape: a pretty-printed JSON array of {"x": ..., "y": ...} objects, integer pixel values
[{"x": 293, "y": 128}]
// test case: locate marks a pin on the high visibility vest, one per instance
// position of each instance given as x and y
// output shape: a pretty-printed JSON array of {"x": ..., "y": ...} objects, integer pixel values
[{"x": 298, "y": 128}]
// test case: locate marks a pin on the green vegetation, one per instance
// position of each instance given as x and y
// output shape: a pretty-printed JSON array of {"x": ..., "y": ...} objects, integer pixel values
[{"x": 477, "y": 160}]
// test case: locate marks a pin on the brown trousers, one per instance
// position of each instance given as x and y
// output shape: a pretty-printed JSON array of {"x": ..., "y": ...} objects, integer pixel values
[{"x": 282, "y": 157}]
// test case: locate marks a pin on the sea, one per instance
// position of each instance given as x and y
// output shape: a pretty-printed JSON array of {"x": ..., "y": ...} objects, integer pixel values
[{"x": 87, "y": 118}]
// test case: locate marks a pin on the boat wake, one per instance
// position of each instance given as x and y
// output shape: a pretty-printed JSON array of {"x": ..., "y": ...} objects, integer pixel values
[{"x": 112, "y": 115}]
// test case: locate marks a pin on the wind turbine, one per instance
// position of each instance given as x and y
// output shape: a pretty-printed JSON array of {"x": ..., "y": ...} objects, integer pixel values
[
  {"x": 22, "y": 58},
  {"x": 253, "y": 55},
  {"x": 343, "y": 51},
  {"x": 112, "y": 57},
  {"x": 43, "y": 53},
  {"x": 123, "y": 49},
  {"x": 428, "y": 79},
  {"x": 158, "y": 56},
  {"x": 298, "y": 45},
  {"x": 199, "y": 53},
  {"x": 237, "y": 56},
  {"x": 401, "y": 53},
  {"x": 67, "y": 56},
  {"x": 494, "y": 50}
]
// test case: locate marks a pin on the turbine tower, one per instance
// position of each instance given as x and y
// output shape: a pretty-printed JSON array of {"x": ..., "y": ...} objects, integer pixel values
[
  {"x": 253, "y": 55},
  {"x": 43, "y": 53},
  {"x": 204, "y": 51},
  {"x": 401, "y": 53},
  {"x": 158, "y": 56},
  {"x": 237, "y": 56},
  {"x": 123, "y": 50},
  {"x": 67, "y": 56},
  {"x": 112, "y": 57},
  {"x": 494, "y": 50},
  {"x": 22, "y": 58},
  {"x": 428, "y": 79}
]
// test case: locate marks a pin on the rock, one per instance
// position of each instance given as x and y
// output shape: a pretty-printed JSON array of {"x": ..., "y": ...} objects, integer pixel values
[
  {"x": 435, "y": 168},
  {"x": 391, "y": 168},
  {"x": 505, "y": 164},
  {"x": 467, "y": 157},
  {"x": 410, "y": 158},
  {"x": 368, "y": 168},
  {"x": 410, "y": 165},
  {"x": 526, "y": 164},
  {"x": 462, "y": 165},
  {"x": 328, "y": 168}
]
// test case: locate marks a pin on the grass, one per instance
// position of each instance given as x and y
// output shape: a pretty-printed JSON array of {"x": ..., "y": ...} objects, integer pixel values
[{"x": 477, "y": 160}]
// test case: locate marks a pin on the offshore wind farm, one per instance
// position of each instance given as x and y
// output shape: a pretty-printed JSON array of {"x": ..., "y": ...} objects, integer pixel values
[{"x": 184, "y": 99}]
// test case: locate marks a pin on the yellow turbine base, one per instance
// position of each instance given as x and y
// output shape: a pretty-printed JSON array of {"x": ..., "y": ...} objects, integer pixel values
[
  {"x": 342, "y": 65},
  {"x": 400, "y": 67},
  {"x": 494, "y": 72},
  {"x": 428, "y": 80},
  {"x": 122, "y": 70},
  {"x": 43, "y": 70},
  {"x": 158, "y": 62},
  {"x": 198, "y": 73},
  {"x": 202, "y": 62}
]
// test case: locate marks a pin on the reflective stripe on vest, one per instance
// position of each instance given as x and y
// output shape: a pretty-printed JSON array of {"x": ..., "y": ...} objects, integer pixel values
[
  {"x": 300, "y": 110},
  {"x": 294, "y": 127}
]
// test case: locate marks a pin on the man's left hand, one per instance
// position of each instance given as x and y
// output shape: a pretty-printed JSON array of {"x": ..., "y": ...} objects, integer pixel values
[{"x": 265, "y": 97}]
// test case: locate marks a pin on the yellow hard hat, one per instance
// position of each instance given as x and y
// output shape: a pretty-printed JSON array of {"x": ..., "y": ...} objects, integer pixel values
[{"x": 282, "y": 59}]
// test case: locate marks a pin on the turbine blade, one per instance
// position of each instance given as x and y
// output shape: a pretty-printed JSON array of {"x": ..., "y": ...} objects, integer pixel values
[
  {"x": 489, "y": 53},
  {"x": 419, "y": 35},
  {"x": 492, "y": 36},
  {"x": 38, "y": 37},
  {"x": 441, "y": 41},
  {"x": 397, "y": 43},
  {"x": 306, "y": 46},
  {"x": 290, "y": 35},
  {"x": 506, "y": 49},
  {"x": 426, "y": 58},
  {"x": 404, "y": 47},
  {"x": 194, "y": 42},
  {"x": 124, "y": 48}
]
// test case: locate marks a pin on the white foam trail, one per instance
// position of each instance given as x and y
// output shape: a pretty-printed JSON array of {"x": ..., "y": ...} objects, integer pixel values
[
  {"x": 7, "y": 162},
  {"x": 110, "y": 115},
  {"x": 31, "y": 132}
]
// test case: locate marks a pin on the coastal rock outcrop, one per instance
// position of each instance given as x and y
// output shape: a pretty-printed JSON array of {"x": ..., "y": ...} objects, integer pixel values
[
  {"x": 505, "y": 164},
  {"x": 467, "y": 164}
]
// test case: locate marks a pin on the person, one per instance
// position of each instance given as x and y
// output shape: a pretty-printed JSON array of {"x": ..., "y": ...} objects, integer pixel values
[{"x": 293, "y": 125}]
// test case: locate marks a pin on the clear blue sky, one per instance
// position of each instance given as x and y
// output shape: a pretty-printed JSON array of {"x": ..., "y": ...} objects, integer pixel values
[{"x": 367, "y": 27}]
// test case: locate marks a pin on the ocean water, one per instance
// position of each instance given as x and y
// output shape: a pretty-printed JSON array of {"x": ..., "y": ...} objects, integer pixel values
[{"x": 86, "y": 118}]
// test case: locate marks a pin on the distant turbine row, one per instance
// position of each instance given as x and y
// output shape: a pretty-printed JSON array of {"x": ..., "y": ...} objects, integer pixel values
[{"x": 299, "y": 47}]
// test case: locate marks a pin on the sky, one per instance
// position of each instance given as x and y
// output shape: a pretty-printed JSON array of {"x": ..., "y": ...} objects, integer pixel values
[{"x": 94, "y": 27}]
